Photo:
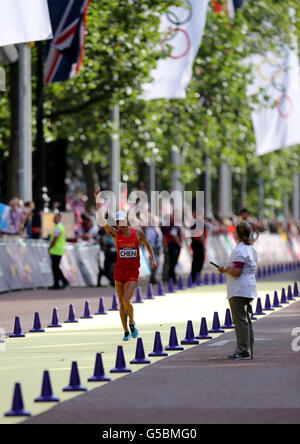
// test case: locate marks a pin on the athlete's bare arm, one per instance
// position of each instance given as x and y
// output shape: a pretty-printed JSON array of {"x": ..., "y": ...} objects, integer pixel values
[
  {"x": 111, "y": 231},
  {"x": 143, "y": 240}
]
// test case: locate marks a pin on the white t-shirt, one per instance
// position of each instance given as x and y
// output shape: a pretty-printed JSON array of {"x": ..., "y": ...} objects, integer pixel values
[{"x": 244, "y": 285}]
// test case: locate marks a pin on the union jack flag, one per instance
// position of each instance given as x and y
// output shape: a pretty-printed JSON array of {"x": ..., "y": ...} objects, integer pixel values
[{"x": 65, "y": 52}]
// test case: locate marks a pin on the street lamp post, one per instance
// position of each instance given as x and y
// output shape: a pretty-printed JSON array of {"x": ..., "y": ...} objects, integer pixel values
[{"x": 25, "y": 129}]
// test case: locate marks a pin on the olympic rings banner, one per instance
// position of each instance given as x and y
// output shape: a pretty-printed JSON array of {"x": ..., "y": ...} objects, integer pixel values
[
  {"x": 182, "y": 29},
  {"x": 279, "y": 78}
]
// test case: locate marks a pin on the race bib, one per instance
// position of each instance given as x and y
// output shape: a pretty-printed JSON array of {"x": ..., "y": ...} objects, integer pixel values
[{"x": 128, "y": 253}]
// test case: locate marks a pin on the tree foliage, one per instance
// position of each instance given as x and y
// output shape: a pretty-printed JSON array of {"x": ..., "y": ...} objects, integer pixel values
[{"x": 122, "y": 48}]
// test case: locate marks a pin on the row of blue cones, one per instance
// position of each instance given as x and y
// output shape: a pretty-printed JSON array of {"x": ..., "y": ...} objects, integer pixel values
[
  {"x": 37, "y": 328},
  {"x": 140, "y": 358},
  {"x": 120, "y": 365}
]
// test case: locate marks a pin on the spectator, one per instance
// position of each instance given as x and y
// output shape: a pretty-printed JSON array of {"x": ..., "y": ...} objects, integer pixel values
[
  {"x": 56, "y": 250},
  {"x": 241, "y": 290},
  {"x": 28, "y": 211},
  {"x": 110, "y": 257},
  {"x": 155, "y": 238},
  {"x": 244, "y": 213},
  {"x": 198, "y": 248},
  {"x": 172, "y": 247},
  {"x": 15, "y": 216}
]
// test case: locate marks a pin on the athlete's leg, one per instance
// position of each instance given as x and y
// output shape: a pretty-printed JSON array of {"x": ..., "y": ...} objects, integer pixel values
[
  {"x": 129, "y": 289},
  {"x": 123, "y": 315}
]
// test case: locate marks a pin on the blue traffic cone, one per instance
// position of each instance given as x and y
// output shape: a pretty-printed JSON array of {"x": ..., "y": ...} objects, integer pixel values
[
  {"x": 157, "y": 347},
  {"x": 190, "y": 281},
  {"x": 17, "y": 329},
  {"x": 253, "y": 318},
  {"x": 276, "y": 303},
  {"x": 180, "y": 283},
  {"x": 87, "y": 311},
  {"x": 115, "y": 305},
  {"x": 173, "y": 341},
  {"x": 228, "y": 321},
  {"x": 101, "y": 309},
  {"x": 160, "y": 289},
  {"x": 120, "y": 362},
  {"x": 150, "y": 292},
  {"x": 290, "y": 295},
  {"x": 268, "y": 306},
  {"x": 46, "y": 394},
  {"x": 37, "y": 328},
  {"x": 283, "y": 299},
  {"x": 258, "y": 273},
  {"x": 75, "y": 384},
  {"x": 72, "y": 318},
  {"x": 189, "y": 335},
  {"x": 55, "y": 322},
  {"x": 296, "y": 291},
  {"x": 203, "y": 334},
  {"x": 259, "y": 310},
  {"x": 198, "y": 279},
  {"x": 171, "y": 286},
  {"x": 17, "y": 404},
  {"x": 213, "y": 278},
  {"x": 206, "y": 279},
  {"x": 140, "y": 357},
  {"x": 138, "y": 296},
  {"x": 99, "y": 374},
  {"x": 216, "y": 328}
]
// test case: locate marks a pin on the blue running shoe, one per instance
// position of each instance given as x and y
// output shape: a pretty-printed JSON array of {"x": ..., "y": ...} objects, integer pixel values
[
  {"x": 126, "y": 336},
  {"x": 133, "y": 330}
]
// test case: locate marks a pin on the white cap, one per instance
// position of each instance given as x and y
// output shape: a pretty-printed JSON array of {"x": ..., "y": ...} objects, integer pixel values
[{"x": 120, "y": 215}]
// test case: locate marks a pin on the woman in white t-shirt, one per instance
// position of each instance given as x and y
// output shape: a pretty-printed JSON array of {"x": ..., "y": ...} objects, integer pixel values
[{"x": 242, "y": 289}]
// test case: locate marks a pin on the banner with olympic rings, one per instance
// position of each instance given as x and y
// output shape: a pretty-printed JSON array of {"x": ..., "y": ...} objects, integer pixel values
[
  {"x": 277, "y": 77},
  {"x": 181, "y": 29}
]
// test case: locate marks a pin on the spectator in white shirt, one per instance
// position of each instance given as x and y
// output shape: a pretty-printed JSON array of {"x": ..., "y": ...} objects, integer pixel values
[{"x": 242, "y": 289}]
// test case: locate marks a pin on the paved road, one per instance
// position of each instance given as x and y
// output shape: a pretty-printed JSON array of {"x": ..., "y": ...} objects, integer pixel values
[
  {"x": 199, "y": 386},
  {"x": 193, "y": 387}
]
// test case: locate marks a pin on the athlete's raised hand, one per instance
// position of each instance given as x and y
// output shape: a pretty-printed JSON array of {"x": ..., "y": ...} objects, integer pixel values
[{"x": 97, "y": 192}]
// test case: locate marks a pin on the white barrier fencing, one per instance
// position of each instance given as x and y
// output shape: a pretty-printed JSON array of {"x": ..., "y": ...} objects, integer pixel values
[{"x": 26, "y": 264}]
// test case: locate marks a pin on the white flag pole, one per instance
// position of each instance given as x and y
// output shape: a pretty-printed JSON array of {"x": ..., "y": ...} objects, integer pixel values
[{"x": 296, "y": 198}]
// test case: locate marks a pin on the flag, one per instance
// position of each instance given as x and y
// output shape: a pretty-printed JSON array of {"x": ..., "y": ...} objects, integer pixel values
[
  {"x": 4, "y": 216},
  {"x": 65, "y": 51},
  {"x": 181, "y": 28},
  {"x": 278, "y": 77},
  {"x": 24, "y": 21},
  {"x": 228, "y": 6}
]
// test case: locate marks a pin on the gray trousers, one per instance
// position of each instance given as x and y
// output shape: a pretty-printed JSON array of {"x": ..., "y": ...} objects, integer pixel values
[{"x": 241, "y": 310}]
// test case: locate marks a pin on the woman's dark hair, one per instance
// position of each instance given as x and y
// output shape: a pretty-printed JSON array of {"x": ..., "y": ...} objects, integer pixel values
[{"x": 243, "y": 231}]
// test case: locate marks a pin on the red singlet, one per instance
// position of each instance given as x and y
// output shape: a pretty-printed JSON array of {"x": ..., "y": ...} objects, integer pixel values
[{"x": 128, "y": 261}]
